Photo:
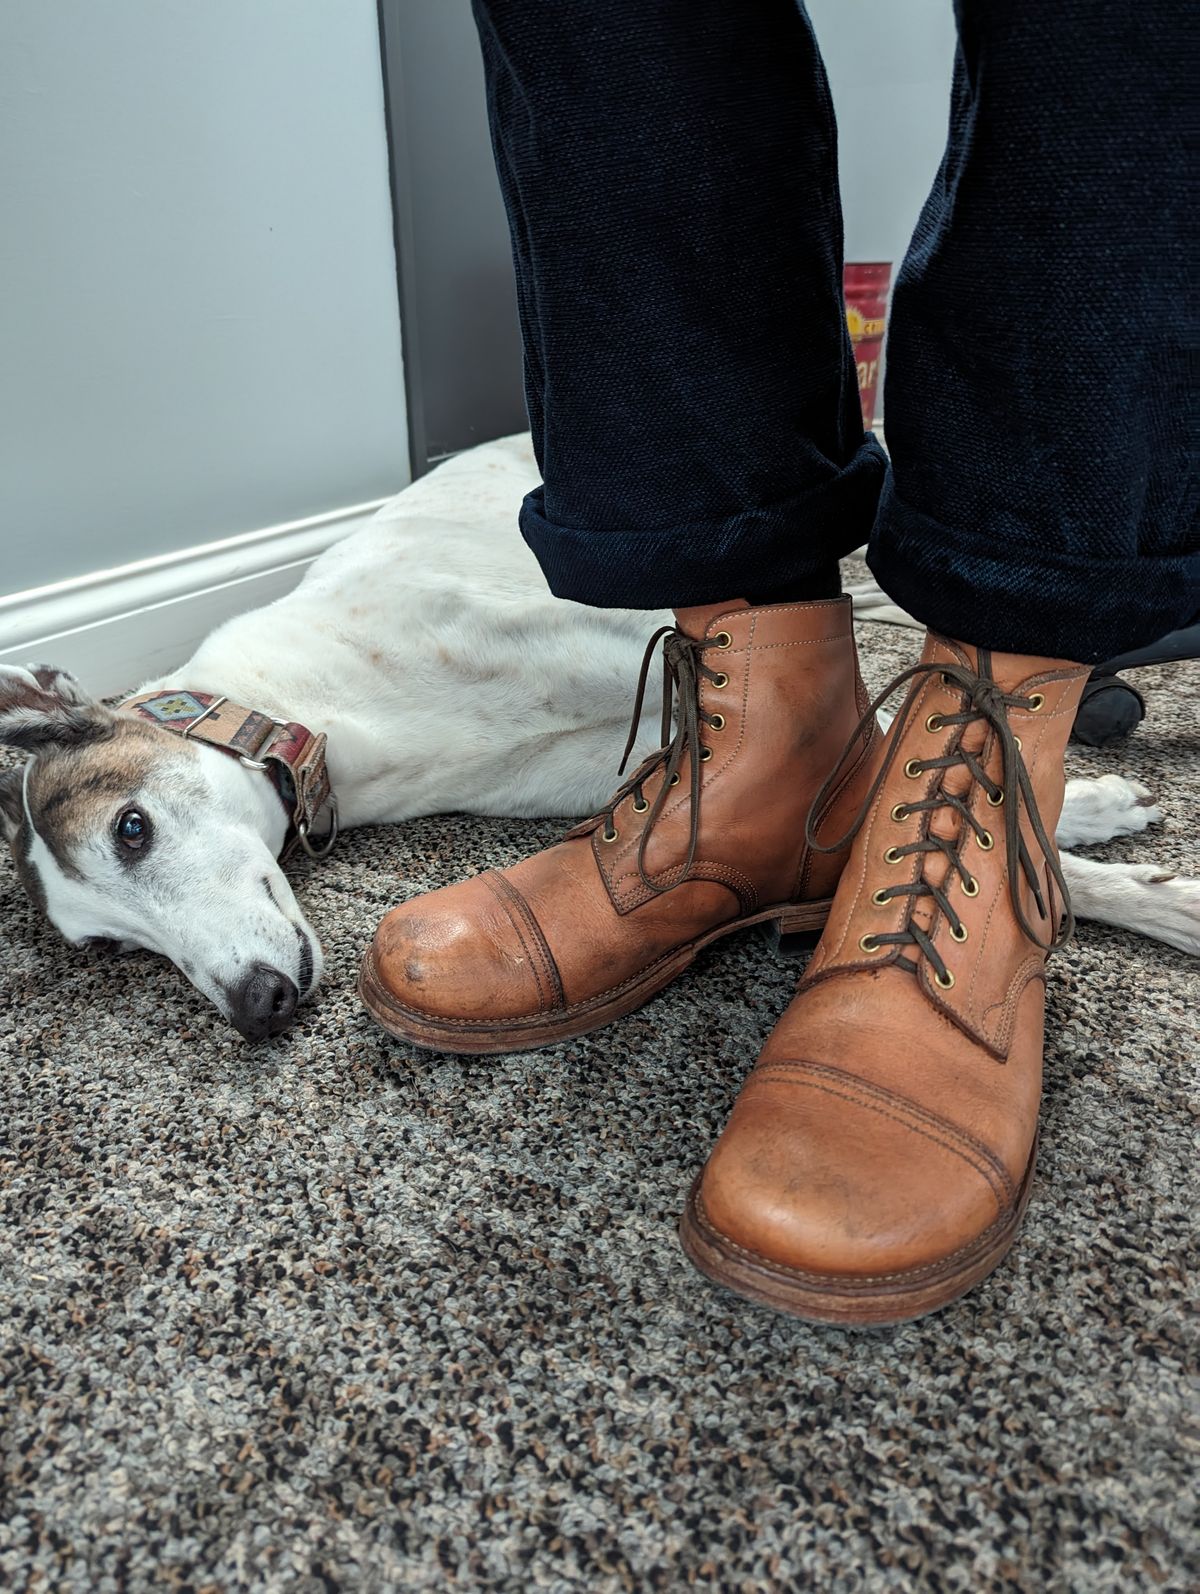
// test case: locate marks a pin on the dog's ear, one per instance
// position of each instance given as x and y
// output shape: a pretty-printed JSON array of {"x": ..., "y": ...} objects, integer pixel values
[
  {"x": 42, "y": 707},
  {"x": 12, "y": 807},
  {"x": 62, "y": 684}
]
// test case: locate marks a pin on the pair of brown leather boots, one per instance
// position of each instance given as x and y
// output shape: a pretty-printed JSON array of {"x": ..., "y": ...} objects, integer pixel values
[{"x": 878, "y": 1160}]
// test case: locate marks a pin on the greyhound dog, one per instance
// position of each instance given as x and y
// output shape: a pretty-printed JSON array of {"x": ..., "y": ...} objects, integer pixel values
[{"x": 428, "y": 652}]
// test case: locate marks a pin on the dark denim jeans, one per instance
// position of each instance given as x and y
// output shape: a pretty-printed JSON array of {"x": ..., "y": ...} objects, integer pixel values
[{"x": 669, "y": 168}]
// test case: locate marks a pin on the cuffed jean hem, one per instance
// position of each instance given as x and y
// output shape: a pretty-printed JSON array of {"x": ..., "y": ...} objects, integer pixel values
[
  {"x": 756, "y": 550},
  {"x": 1000, "y": 594}
]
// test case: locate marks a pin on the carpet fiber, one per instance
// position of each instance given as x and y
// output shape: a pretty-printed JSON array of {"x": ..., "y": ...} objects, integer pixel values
[{"x": 328, "y": 1315}]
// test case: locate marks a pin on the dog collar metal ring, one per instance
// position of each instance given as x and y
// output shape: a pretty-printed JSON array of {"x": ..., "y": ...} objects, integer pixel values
[{"x": 325, "y": 844}]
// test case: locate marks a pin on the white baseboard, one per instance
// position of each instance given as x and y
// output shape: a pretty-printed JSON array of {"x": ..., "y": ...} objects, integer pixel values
[{"x": 116, "y": 628}]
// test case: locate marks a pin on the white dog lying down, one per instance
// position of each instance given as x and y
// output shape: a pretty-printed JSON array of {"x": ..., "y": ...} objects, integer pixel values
[{"x": 447, "y": 679}]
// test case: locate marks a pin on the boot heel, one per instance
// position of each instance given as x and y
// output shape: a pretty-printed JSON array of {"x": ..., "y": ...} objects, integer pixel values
[{"x": 797, "y": 929}]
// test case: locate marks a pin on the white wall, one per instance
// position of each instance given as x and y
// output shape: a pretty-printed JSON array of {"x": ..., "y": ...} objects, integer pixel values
[
  {"x": 199, "y": 331},
  {"x": 889, "y": 64}
]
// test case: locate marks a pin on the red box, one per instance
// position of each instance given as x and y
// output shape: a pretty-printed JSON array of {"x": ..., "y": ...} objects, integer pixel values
[{"x": 866, "y": 292}]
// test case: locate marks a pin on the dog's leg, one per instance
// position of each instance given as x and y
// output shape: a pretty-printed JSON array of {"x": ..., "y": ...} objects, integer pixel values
[
  {"x": 1097, "y": 810},
  {"x": 1143, "y": 897}
]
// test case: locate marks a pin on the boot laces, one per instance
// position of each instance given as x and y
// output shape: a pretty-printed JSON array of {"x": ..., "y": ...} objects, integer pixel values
[
  {"x": 683, "y": 670},
  {"x": 986, "y": 702}
]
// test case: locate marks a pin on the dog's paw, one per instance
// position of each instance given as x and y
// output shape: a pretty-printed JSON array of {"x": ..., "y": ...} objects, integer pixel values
[
  {"x": 1168, "y": 906},
  {"x": 1143, "y": 897},
  {"x": 1097, "y": 810}
]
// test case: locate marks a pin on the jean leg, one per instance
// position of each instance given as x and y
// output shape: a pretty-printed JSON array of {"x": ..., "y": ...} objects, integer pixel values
[
  {"x": 670, "y": 175},
  {"x": 1040, "y": 384}
]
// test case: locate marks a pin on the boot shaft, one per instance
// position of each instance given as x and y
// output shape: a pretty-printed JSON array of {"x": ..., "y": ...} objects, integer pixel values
[{"x": 779, "y": 696}]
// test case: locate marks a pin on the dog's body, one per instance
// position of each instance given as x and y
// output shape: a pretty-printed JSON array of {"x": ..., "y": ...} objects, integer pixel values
[
  {"x": 430, "y": 651},
  {"x": 446, "y": 678}
]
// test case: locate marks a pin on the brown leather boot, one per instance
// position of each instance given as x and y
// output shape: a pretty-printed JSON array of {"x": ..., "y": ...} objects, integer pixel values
[
  {"x": 878, "y": 1160},
  {"x": 706, "y": 837}
]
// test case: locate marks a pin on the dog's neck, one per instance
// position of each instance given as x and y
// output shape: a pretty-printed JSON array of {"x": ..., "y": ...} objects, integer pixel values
[
  {"x": 409, "y": 725},
  {"x": 260, "y": 788},
  {"x": 258, "y": 797},
  {"x": 251, "y": 688}
]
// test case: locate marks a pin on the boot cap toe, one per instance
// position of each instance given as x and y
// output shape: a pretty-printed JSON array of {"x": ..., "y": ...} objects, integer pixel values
[
  {"x": 465, "y": 954},
  {"x": 821, "y": 1173}
]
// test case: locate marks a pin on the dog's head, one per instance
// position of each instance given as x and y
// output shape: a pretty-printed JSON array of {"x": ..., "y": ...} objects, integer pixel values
[{"x": 127, "y": 834}]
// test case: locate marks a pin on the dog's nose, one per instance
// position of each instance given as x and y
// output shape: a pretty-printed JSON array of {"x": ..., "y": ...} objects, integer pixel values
[{"x": 262, "y": 1003}]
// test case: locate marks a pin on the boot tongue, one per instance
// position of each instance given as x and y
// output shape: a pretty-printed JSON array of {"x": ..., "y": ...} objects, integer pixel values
[
  {"x": 957, "y": 781},
  {"x": 1008, "y": 670},
  {"x": 694, "y": 622}
]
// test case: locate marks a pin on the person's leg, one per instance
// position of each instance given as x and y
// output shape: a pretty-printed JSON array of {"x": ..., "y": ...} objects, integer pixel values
[
  {"x": 879, "y": 1158},
  {"x": 670, "y": 175},
  {"x": 1044, "y": 494}
]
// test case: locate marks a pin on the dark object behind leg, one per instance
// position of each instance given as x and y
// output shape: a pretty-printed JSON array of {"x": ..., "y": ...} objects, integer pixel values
[
  {"x": 670, "y": 175},
  {"x": 1112, "y": 708}
]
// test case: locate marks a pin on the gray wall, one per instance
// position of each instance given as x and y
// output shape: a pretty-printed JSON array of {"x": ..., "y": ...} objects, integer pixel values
[
  {"x": 199, "y": 330},
  {"x": 889, "y": 68},
  {"x": 198, "y": 324}
]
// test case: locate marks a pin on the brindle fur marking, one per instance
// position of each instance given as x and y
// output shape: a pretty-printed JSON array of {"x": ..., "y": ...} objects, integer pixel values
[{"x": 72, "y": 793}]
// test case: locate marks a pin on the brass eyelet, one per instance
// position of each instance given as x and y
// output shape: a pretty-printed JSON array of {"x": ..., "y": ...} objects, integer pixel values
[
  {"x": 674, "y": 780},
  {"x": 934, "y": 722},
  {"x": 705, "y": 754},
  {"x": 959, "y": 935},
  {"x": 640, "y": 807},
  {"x": 717, "y": 722},
  {"x": 720, "y": 680},
  {"x": 722, "y": 640},
  {"x": 899, "y": 812},
  {"x": 1036, "y": 700},
  {"x": 892, "y": 855},
  {"x": 1017, "y": 739},
  {"x": 945, "y": 984},
  {"x": 610, "y": 839},
  {"x": 994, "y": 802},
  {"x": 868, "y": 943},
  {"x": 970, "y": 888},
  {"x": 987, "y": 841},
  {"x": 947, "y": 680},
  {"x": 913, "y": 768},
  {"x": 880, "y": 898}
]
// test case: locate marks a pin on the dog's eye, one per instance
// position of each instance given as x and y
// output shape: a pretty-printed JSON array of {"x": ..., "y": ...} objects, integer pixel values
[{"x": 132, "y": 830}]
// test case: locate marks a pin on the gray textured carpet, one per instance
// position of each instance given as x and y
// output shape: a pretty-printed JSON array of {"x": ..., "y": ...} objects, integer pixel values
[{"x": 326, "y": 1315}]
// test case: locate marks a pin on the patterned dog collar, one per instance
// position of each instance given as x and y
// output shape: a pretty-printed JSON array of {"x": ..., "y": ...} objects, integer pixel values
[{"x": 290, "y": 754}]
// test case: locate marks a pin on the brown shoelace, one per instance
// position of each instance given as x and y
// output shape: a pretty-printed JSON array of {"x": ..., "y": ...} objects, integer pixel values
[
  {"x": 683, "y": 669},
  {"x": 987, "y": 702}
]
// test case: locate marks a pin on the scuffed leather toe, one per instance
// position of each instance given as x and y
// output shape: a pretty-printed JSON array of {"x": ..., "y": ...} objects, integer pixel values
[
  {"x": 812, "y": 1175},
  {"x": 469, "y": 953},
  {"x": 587, "y": 930}
]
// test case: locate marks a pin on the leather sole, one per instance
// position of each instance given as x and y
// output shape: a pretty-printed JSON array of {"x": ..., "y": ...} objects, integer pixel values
[
  {"x": 851, "y": 1302},
  {"x": 546, "y": 1029}
]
